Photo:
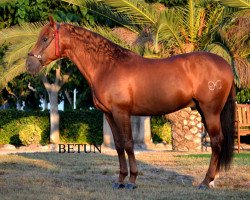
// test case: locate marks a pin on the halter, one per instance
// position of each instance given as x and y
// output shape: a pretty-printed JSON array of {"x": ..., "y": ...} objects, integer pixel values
[{"x": 57, "y": 47}]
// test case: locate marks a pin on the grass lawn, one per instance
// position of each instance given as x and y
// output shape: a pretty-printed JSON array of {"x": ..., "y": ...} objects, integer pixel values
[{"x": 162, "y": 175}]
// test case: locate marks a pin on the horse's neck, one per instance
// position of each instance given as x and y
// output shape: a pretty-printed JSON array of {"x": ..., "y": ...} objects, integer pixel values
[{"x": 92, "y": 53}]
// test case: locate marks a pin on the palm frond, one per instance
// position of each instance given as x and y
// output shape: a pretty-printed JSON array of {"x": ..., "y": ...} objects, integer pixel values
[
  {"x": 235, "y": 32},
  {"x": 20, "y": 33},
  {"x": 243, "y": 69},
  {"x": 45, "y": 71},
  {"x": 107, "y": 33},
  {"x": 7, "y": 1},
  {"x": 15, "y": 70},
  {"x": 104, "y": 11},
  {"x": 20, "y": 39},
  {"x": 203, "y": 3},
  {"x": 19, "y": 51},
  {"x": 245, "y": 4},
  {"x": 223, "y": 51},
  {"x": 214, "y": 18},
  {"x": 191, "y": 19},
  {"x": 139, "y": 11},
  {"x": 168, "y": 28}
]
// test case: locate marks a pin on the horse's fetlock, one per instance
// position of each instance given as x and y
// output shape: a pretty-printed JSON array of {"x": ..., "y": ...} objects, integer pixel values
[
  {"x": 124, "y": 173},
  {"x": 133, "y": 173}
]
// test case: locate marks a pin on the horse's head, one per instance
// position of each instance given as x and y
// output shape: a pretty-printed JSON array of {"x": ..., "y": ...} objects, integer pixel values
[{"x": 46, "y": 49}]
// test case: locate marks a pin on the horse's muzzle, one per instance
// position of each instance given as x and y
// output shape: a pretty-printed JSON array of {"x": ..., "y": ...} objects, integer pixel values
[{"x": 33, "y": 65}]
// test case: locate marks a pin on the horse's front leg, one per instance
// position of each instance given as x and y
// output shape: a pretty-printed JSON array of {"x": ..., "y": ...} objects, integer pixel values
[
  {"x": 122, "y": 120},
  {"x": 119, "y": 145}
]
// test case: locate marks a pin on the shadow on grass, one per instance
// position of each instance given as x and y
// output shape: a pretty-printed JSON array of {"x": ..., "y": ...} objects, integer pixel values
[{"x": 89, "y": 176}]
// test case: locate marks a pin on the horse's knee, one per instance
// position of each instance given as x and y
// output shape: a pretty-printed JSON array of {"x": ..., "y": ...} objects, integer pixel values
[
  {"x": 129, "y": 147},
  {"x": 119, "y": 148}
]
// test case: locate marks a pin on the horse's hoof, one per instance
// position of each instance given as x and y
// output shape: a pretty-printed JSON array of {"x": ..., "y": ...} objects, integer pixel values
[
  {"x": 118, "y": 185},
  {"x": 130, "y": 186},
  {"x": 203, "y": 187}
]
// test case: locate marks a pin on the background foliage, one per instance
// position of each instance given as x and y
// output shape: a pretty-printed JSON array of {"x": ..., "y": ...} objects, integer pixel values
[
  {"x": 161, "y": 130},
  {"x": 75, "y": 126},
  {"x": 195, "y": 24},
  {"x": 30, "y": 134},
  {"x": 243, "y": 96}
]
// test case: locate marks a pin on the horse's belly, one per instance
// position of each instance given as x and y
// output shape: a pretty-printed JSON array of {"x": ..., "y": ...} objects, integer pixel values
[{"x": 162, "y": 104}]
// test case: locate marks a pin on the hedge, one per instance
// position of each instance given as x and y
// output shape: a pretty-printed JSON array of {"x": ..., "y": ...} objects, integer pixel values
[
  {"x": 75, "y": 126},
  {"x": 161, "y": 130}
]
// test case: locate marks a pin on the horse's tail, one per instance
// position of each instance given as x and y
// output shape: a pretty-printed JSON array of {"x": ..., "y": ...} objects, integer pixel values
[{"x": 228, "y": 129}]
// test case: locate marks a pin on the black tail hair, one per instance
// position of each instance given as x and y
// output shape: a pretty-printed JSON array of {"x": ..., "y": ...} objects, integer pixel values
[{"x": 227, "y": 119}]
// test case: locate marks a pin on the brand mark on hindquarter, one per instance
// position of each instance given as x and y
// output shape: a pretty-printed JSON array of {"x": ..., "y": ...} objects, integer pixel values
[{"x": 212, "y": 85}]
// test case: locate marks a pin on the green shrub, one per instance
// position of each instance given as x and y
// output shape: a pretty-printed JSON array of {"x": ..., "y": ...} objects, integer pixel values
[
  {"x": 12, "y": 121},
  {"x": 243, "y": 96},
  {"x": 30, "y": 134},
  {"x": 161, "y": 130},
  {"x": 75, "y": 126},
  {"x": 81, "y": 127}
]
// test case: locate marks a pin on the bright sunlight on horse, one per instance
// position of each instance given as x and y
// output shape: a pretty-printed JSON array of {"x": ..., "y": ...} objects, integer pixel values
[{"x": 124, "y": 84}]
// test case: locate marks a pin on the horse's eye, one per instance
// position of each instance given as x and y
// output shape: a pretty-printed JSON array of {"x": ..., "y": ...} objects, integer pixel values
[{"x": 45, "y": 39}]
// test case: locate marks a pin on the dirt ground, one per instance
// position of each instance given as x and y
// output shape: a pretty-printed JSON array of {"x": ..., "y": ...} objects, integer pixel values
[{"x": 162, "y": 175}]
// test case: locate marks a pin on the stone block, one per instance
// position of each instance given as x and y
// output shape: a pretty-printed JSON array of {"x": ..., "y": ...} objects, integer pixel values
[{"x": 9, "y": 147}]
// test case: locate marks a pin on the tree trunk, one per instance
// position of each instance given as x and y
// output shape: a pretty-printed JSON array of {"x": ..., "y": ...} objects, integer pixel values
[
  {"x": 53, "y": 90},
  {"x": 45, "y": 102},
  {"x": 54, "y": 117},
  {"x": 18, "y": 105}
]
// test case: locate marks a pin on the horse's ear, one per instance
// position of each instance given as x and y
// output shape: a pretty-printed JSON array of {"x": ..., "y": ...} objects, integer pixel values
[{"x": 51, "y": 21}]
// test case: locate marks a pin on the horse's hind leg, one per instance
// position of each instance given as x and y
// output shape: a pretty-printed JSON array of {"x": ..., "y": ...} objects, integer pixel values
[
  {"x": 119, "y": 145},
  {"x": 213, "y": 127}
]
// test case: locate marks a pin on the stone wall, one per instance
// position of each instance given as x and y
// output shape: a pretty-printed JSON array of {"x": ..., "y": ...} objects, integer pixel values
[{"x": 187, "y": 130}]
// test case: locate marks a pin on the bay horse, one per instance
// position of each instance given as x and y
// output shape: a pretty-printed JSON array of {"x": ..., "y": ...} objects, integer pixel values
[{"x": 124, "y": 84}]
